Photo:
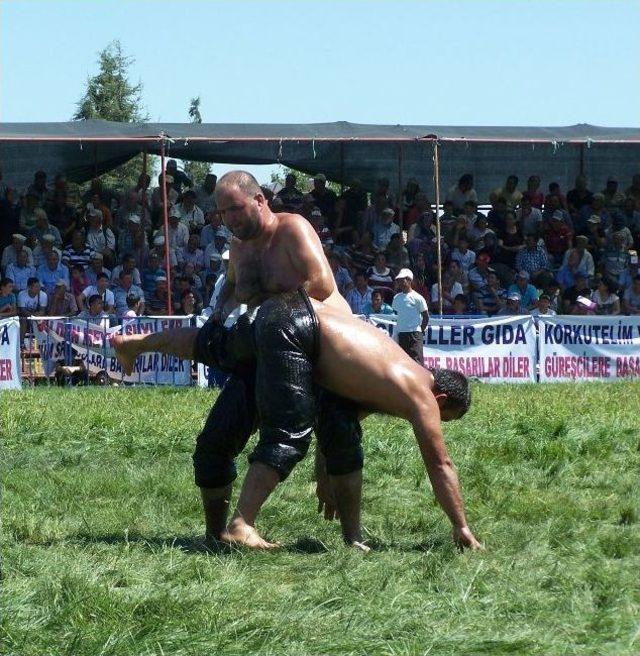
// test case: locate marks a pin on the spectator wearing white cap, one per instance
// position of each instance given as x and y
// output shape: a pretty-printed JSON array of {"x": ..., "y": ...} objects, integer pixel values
[
  {"x": 384, "y": 229},
  {"x": 528, "y": 293},
  {"x": 585, "y": 261},
  {"x": 96, "y": 267},
  {"x": 20, "y": 271},
  {"x": 10, "y": 253},
  {"x": 157, "y": 303},
  {"x": 213, "y": 267},
  {"x": 51, "y": 271},
  {"x": 42, "y": 250},
  {"x": 101, "y": 288},
  {"x": 61, "y": 302},
  {"x": 595, "y": 209},
  {"x": 127, "y": 235},
  {"x": 512, "y": 307},
  {"x": 543, "y": 308},
  {"x": 160, "y": 248},
  {"x": 43, "y": 228},
  {"x": 413, "y": 316}
]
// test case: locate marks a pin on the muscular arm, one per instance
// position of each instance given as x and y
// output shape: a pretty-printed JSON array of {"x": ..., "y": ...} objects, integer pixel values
[{"x": 309, "y": 260}]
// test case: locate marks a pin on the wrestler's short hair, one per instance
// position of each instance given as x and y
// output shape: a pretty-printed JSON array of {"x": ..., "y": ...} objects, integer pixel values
[
  {"x": 243, "y": 180},
  {"x": 455, "y": 385}
]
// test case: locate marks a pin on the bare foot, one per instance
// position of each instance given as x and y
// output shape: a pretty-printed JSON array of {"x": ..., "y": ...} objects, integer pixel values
[
  {"x": 126, "y": 351},
  {"x": 358, "y": 545},
  {"x": 239, "y": 533}
]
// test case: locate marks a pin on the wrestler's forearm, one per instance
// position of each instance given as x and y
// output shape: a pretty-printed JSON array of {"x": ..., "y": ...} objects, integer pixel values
[{"x": 441, "y": 474}]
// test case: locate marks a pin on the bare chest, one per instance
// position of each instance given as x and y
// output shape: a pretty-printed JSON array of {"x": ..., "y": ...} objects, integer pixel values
[{"x": 263, "y": 272}]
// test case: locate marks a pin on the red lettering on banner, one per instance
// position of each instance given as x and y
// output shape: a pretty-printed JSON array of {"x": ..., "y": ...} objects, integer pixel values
[
  {"x": 571, "y": 366},
  {"x": 5, "y": 370},
  {"x": 628, "y": 366}
]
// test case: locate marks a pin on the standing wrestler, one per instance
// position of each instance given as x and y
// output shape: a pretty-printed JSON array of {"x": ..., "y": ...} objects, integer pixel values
[
  {"x": 336, "y": 349},
  {"x": 271, "y": 254}
]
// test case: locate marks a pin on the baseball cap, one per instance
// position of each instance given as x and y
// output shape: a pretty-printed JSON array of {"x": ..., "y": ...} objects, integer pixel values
[
  {"x": 158, "y": 240},
  {"x": 18, "y": 237},
  {"x": 594, "y": 218},
  {"x": 50, "y": 238},
  {"x": 387, "y": 211},
  {"x": 557, "y": 215},
  {"x": 161, "y": 278},
  {"x": 225, "y": 255},
  {"x": 60, "y": 283},
  {"x": 404, "y": 273},
  {"x": 514, "y": 296},
  {"x": 215, "y": 256},
  {"x": 523, "y": 274},
  {"x": 316, "y": 213},
  {"x": 134, "y": 218}
]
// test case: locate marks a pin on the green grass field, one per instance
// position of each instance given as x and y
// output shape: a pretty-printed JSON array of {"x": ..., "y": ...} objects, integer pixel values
[{"x": 101, "y": 527}]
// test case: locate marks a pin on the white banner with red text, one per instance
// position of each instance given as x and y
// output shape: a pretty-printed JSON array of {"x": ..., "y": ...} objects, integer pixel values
[
  {"x": 70, "y": 341},
  {"x": 496, "y": 350},
  {"x": 589, "y": 348},
  {"x": 10, "y": 354}
]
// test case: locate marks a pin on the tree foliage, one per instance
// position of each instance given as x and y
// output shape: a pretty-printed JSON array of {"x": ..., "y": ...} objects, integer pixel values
[
  {"x": 196, "y": 170},
  {"x": 109, "y": 95}
]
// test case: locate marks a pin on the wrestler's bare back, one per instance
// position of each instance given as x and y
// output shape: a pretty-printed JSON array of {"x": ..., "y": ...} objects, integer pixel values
[
  {"x": 287, "y": 256},
  {"x": 362, "y": 363}
]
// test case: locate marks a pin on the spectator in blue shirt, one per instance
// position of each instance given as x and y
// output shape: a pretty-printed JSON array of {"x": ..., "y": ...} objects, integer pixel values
[
  {"x": 360, "y": 295},
  {"x": 528, "y": 293},
  {"x": 377, "y": 306},
  {"x": 532, "y": 258}
]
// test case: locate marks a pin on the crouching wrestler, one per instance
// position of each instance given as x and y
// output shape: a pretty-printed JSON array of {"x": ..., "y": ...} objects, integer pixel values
[{"x": 291, "y": 342}]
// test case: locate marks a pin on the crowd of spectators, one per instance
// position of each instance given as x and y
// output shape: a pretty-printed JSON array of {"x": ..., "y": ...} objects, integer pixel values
[{"x": 101, "y": 252}]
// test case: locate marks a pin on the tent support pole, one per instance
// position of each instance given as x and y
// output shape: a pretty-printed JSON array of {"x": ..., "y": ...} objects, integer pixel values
[
  {"x": 581, "y": 159},
  {"x": 144, "y": 189},
  {"x": 436, "y": 185},
  {"x": 165, "y": 217},
  {"x": 400, "y": 213}
]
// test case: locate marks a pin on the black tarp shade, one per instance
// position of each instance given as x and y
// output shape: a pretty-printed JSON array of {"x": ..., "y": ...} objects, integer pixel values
[{"x": 342, "y": 150}]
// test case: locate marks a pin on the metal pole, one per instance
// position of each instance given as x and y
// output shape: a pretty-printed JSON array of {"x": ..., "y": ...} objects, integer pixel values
[
  {"x": 144, "y": 189},
  {"x": 165, "y": 216},
  {"x": 436, "y": 184},
  {"x": 400, "y": 199}
]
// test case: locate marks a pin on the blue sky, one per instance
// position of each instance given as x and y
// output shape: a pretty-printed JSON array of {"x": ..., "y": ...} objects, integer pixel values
[{"x": 547, "y": 62}]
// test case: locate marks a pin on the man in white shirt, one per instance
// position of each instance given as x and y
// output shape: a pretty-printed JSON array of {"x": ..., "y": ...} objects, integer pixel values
[
  {"x": 190, "y": 214},
  {"x": 413, "y": 316},
  {"x": 100, "y": 238},
  {"x": 178, "y": 231},
  {"x": 101, "y": 289},
  {"x": 10, "y": 253},
  {"x": 383, "y": 231},
  {"x": 20, "y": 272},
  {"x": 32, "y": 301}
]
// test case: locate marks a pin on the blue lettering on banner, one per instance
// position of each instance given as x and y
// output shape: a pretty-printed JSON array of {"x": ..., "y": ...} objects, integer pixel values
[
  {"x": 503, "y": 334},
  {"x": 4, "y": 338},
  {"x": 453, "y": 335}
]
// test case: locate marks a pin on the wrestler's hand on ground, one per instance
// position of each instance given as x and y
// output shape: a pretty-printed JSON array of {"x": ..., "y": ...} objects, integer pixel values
[
  {"x": 465, "y": 539},
  {"x": 326, "y": 501}
]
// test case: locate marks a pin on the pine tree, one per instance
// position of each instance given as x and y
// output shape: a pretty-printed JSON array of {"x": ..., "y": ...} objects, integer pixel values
[
  {"x": 110, "y": 96},
  {"x": 196, "y": 170}
]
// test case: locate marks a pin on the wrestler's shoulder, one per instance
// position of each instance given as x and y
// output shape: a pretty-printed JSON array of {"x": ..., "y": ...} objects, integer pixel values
[{"x": 287, "y": 221}]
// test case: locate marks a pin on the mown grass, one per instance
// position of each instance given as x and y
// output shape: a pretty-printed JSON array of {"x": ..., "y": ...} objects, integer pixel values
[{"x": 101, "y": 521}]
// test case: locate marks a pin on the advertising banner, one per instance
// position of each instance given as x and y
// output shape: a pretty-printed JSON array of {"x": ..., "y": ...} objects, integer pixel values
[
  {"x": 496, "y": 350},
  {"x": 589, "y": 348},
  {"x": 77, "y": 340},
  {"x": 10, "y": 371}
]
